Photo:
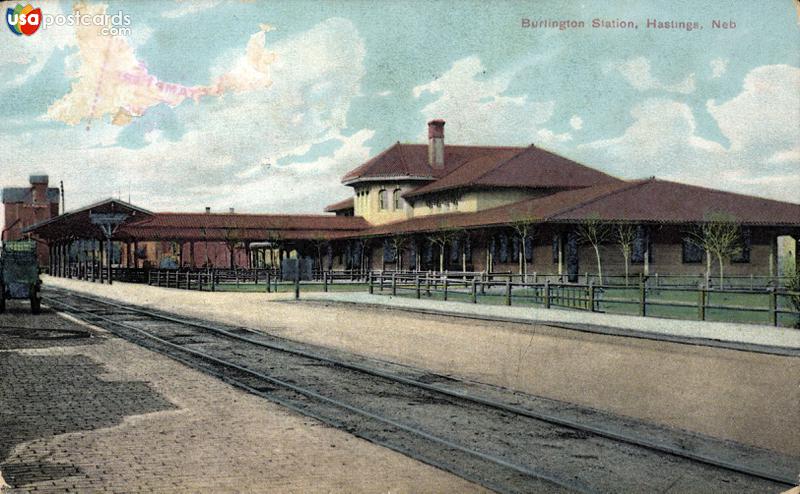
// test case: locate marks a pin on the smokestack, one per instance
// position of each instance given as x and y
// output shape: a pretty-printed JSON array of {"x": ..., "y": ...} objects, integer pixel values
[
  {"x": 436, "y": 144},
  {"x": 208, "y": 210},
  {"x": 63, "y": 200}
]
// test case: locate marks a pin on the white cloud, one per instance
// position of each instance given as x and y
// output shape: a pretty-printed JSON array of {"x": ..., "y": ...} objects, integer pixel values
[
  {"x": 464, "y": 96},
  {"x": 186, "y": 7},
  {"x": 122, "y": 87},
  {"x": 766, "y": 112},
  {"x": 311, "y": 186},
  {"x": 385, "y": 93},
  {"x": 576, "y": 122},
  {"x": 718, "y": 67},
  {"x": 637, "y": 72},
  {"x": 788, "y": 156},
  {"x": 760, "y": 126},
  {"x": 315, "y": 77},
  {"x": 547, "y": 137}
]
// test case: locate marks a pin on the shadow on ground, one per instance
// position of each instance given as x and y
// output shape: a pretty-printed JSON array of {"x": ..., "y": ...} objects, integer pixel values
[{"x": 42, "y": 396}]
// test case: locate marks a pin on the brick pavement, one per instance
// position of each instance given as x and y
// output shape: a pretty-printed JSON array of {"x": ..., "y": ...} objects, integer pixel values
[{"x": 98, "y": 414}]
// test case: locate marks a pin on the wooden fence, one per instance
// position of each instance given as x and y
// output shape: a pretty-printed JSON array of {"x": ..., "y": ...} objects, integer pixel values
[{"x": 773, "y": 306}]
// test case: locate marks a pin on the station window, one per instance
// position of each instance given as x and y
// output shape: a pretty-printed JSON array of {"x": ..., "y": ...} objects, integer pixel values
[
  {"x": 397, "y": 200},
  {"x": 692, "y": 253},
  {"x": 383, "y": 199},
  {"x": 742, "y": 254}
]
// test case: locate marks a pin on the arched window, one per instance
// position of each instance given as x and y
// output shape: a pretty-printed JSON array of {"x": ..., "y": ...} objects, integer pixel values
[
  {"x": 383, "y": 199},
  {"x": 397, "y": 200}
]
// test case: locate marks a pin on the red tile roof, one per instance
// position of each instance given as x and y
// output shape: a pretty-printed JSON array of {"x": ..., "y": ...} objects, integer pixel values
[
  {"x": 411, "y": 161},
  {"x": 254, "y": 221},
  {"x": 672, "y": 202},
  {"x": 530, "y": 167},
  {"x": 205, "y": 226},
  {"x": 478, "y": 166},
  {"x": 646, "y": 201},
  {"x": 348, "y": 203}
]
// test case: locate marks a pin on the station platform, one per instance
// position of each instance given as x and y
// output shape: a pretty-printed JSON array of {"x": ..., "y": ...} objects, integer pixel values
[
  {"x": 749, "y": 337},
  {"x": 730, "y": 394},
  {"x": 84, "y": 411}
]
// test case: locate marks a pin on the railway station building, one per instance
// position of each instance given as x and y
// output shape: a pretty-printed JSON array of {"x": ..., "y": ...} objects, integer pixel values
[{"x": 443, "y": 207}]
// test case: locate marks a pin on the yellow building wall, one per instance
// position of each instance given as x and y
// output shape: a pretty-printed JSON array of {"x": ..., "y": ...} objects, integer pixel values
[
  {"x": 367, "y": 205},
  {"x": 471, "y": 202},
  {"x": 367, "y": 202}
]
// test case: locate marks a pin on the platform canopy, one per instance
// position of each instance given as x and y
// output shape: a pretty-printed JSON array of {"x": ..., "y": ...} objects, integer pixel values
[
  {"x": 83, "y": 223},
  {"x": 133, "y": 224}
]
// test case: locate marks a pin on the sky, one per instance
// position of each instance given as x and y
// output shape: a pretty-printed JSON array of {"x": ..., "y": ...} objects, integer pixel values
[{"x": 263, "y": 106}]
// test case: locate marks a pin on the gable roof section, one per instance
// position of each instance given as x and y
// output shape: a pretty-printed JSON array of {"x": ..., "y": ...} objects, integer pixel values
[
  {"x": 410, "y": 161},
  {"x": 78, "y": 224},
  {"x": 348, "y": 203},
  {"x": 663, "y": 201},
  {"x": 529, "y": 167},
  {"x": 467, "y": 173}
]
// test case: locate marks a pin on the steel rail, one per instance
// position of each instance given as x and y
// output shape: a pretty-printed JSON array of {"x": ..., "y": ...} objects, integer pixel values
[
  {"x": 643, "y": 443},
  {"x": 542, "y": 476}
]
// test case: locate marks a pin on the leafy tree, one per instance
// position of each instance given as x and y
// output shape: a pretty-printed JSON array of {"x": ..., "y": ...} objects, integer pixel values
[{"x": 594, "y": 231}]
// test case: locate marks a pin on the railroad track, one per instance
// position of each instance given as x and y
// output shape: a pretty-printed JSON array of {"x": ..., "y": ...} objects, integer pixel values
[{"x": 502, "y": 447}]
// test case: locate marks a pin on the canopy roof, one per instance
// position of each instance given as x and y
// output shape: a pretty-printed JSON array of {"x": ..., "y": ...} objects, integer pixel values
[
  {"x": 144, "y": 225},
  {"x": 78, "y": 223}
]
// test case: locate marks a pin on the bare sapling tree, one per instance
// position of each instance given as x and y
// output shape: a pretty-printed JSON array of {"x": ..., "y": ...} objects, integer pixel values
[
  {"x": 441, "y": 238},
  {"x": 399, "y": 243},
  {"x": 232, "y": 241},
  {"x": 465, "y": 240},
  {"x": 524, "y": 229},
  {"x": 276, "y": 243},
  {"x": 625, "y": 235},
  {"x": 720, "y": 236},
  {"x": 594, "y": 231},
  {"x": 363, "y": 245},
  {"x": 793, "y": 286},
  {"x": 320, "y": 244}
]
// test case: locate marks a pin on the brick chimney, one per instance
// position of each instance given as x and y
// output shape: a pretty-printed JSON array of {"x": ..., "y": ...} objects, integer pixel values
[
  {"x": 436, "y": 144},
  {"x": 39, "y": 188}
]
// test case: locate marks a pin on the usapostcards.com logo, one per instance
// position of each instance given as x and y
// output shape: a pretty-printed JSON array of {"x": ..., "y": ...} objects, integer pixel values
[
  {"x": 23, "y": 20},
  {"x": 27, "y": 20}
]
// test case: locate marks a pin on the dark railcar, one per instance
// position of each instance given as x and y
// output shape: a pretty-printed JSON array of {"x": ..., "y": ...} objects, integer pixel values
[{"x": 19, "y": 274}]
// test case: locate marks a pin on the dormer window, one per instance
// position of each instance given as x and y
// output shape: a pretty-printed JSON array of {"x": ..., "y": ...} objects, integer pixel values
[{"x": 383, "y": 199}]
